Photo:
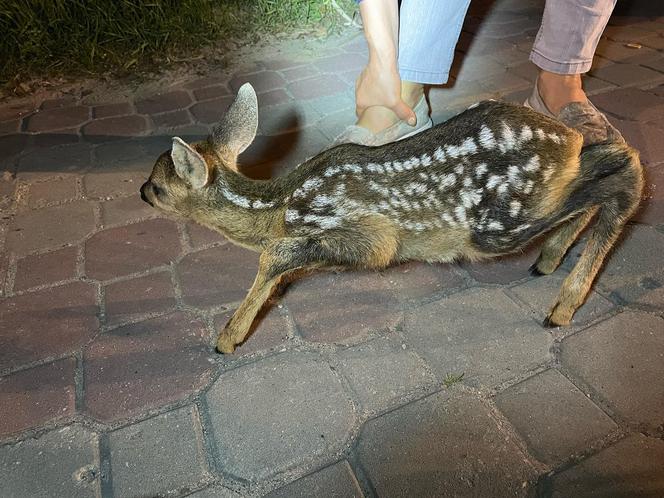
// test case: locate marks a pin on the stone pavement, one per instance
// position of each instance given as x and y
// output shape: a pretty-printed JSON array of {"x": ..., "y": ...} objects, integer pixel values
[{"x": 422, "y": 380}]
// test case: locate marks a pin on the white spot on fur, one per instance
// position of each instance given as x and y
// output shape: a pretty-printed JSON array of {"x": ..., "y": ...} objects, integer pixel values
[
  {"x": 520, "y": 228},
  {"x": 331, "y": 171},
  {"x": 547, "y": 174},
  {"x": 473, "y": 106},
  {"x": 495, "y": 225},
  {"x": 509, "y": 139},
  {"x": 375, "y": 168},
  {"x": 480, "y": 169},
  {"x": 540, "y": 133},
  {"x": 322, "y": 201},
  {"x": 425, "y": 160},
  {"x": 397, "y": 166},
  {"x": 532, "y": 165},
  {"x": 352, "y": 168},
  {"x": 376, "y": 187},
  {"x": 513, "y": 175},
  {"x": 487, "y": 140},
  {"x": 502, "y": 188},
  {"x": 448, "y": 219},
  {"x": 258, "y": 204},
  {"x": 323, "y": 221},
  {"x": 526, "y": 134},
  {"x": 460, "y": 213},
  {"x": 291, "y": 215},
  {"x": 470, "y": 198},
  {"x": 439, "y": 155},
  {"x": 493, "y": 181},
  {"x": 459, "y": 169},
  {"x": 515, "y": 207},
  {"x": 528, "y": 187},
  {"x": 467, "y": 182},
  {"x": 554, "y": 137},
  {"x": 447, "y": 180},
  {"x": 238, "y": 200}
]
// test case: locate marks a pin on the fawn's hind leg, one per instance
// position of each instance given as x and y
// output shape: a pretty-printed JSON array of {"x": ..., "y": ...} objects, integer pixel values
[
  {"x": 557, "y": 244},
  {"x": 354, "y": 249},
  {"x": 610, "y": 223}
]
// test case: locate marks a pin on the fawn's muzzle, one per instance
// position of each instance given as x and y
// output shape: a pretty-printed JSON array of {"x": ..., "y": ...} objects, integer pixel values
[{"x": 143, "y": 196}]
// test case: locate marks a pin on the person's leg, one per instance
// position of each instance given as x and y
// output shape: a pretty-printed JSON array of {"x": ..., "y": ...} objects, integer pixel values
[
  {"x": 428, "y": 33},
  {"x": 565, "y": 46}
]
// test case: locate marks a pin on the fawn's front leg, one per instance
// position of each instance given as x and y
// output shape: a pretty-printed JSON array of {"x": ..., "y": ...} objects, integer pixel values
[{"x": 279, "y": 258}]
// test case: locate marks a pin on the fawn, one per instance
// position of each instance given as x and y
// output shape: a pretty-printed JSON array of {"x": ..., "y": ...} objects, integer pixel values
[{"x": 482, "y": 184}]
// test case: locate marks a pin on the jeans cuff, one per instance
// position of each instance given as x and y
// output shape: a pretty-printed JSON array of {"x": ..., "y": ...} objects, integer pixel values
[
  {"x": 424, "y": 77},
  {"x": 559, "y": 67}
]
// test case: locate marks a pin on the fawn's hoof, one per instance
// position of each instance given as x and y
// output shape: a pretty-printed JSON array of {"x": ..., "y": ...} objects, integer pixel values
[
  {"x": 225, "y": 344},
  {"x": 534, "y": 271}
]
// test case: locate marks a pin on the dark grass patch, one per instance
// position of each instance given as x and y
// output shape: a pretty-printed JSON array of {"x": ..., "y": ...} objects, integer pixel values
[{"x": 67, "y": 37}]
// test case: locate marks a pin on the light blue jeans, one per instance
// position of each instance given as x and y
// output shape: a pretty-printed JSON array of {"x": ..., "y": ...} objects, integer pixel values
[{"x": 565, "y": 44}]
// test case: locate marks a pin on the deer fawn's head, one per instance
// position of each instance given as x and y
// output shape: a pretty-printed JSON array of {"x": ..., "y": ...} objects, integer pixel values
[{"x": 181, "y": 176}]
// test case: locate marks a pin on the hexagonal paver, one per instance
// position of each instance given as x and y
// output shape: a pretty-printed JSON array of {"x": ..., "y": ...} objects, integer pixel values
[
  {"x": 126, "y": 210},
  {"x": 261, "y": 81},
  {"x": 630, "y": 468},
  {"x": 340, "y": 308},
  {"x": 200, "y": 236},
  {"x": 505, "y": 269},
  {"x": 49, "y": 228},
  {"x": 622, "y": 359},
  {"x": 115, "y": 128},
  {"x": 45, "y": 268},
  {"x": 269, "y": 331},
  {"x": 145, "y": 365},
  {"x": 37, "y": 395},
  {"x": 335, "y": 481},
  {"x": 63, "y": 462},
  {"x": 131, "y": 248},
  {"x": 56, "y": 189},
  {"x": 169, "y": 101},
  {"x": 417, "y": 280},
  {"x": 160, "y": 456},
  {"x": 46, "y": 323},
  {"x": 480, "y": 333},
  {"x": 556, "y": 419},
  {"x": 130, "y": 299},
  {"x": 215, "y": 492},
  {"x": 631, "y": 103},
  {"x": 393, "y": 372},
  {"x": 540, "y": 294},
  {"x": 316, "y": 86},
  {"x": 101, "y": 185},
  {"x": 278, "y": 413},
  {"x": 61, "y": 159},
  {"x": 216, "y": 276},
  {"x": 442, "y": 447},
  {"x": 58, "y": 118}
]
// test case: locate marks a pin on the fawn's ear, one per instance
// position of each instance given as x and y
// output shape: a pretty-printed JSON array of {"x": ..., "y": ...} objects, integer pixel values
[
  {"x": 238, "y": 128},
  {"x": 189, "y": 164}
]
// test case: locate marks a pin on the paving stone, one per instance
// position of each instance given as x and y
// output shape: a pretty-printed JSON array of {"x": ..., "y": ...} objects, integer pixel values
[
  {"x": 54, "y": 119},
  {"x": 317, "y": 86},
  {"x": 169, "y": 101},
  {"x": 216, "y": 276},
  {"x": 653, "y": 41},
  {"x": 333, "y": 124},
  {"x": 266, "y": 150},
  {"x": 200, "y": 236},
  {"x": 504, "y": 269},
  {"x": 16, "y": 109},
  {"x": 13, "y": 144},
  {"x": 9, "y": 127},
  {"x": 333, "y": 103},
  {"x": 300, "y": 72},
  {"x": 269, "y": 331},
  {"x": 157, "y": 457},
  {"x": 618, "y": 51},
  {"x": 384, "y": 371},
  {"x": 646, "y": 138},
  {"x": 554, "y": 417},
  {"x": 46, "y": 268},
  {"x": 211, "y": 92},
  {"x": 622, "y": 359},
  {"x": 480, "y": 333},
  {"x": 657, "y": 65},
  {"x": 215, "y": 492},
  {"x": 281, "y": 64},
  {"x": 51, "y": 227},
  {"x": 276, "y": 414},
  {"x": 171, "y": 119},
  {"x": 132, "y": 248},
  {"x": 285, "y": 118},
  {"x": 56, "y": 137},
  {"x": 262, "y": 81},
  {"x": 625, "y": 33},
  {"x": 115, "y": 128},
  {"x": 66, "y": 101},
  {"x": 631, "y": 103},
  {"x": 111, "y": 110},
  {"x": 125, "y": 210},
  {"x": 206, "y": 81},
  {"x": 540, "y": 294},
  {"x": 335, "y": 481},
  {"x": 35, "y": 396},
  {"x": 101, "y": 185},
  {"x": 442, "y": 447},
  {"x": 297, "y": 147},
  {"x": 273, "y": 97},
  {"x": 627, "y": 74},
  {"x": 46, "y": 323},
  {"x": 630, "y": 468},
  {"x": 128, "y": 300},
  {"x": 416, "y": 280},
  {"x": 637, "y": 257},
  {"x": 72, "y": 158},
  {"x": 476, "y": 68},
  {"x": 138, "y": 367},
  {"x": 63, "y": 462},
  {"x": 131, "y": 156},
  {"x": 54, "y": 190},
  {"x": 341, "y": 308},
  {"x": 211, "y": 111},
  {"x": 341, "y": 62},
  {"x": 593, "y": 86}
]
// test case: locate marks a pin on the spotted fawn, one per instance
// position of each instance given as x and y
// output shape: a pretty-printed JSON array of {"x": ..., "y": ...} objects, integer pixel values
[{"x": 483, "y": 184}]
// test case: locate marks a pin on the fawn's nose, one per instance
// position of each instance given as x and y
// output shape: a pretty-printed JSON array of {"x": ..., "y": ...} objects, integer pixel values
[{"x": 143, "y": 196}]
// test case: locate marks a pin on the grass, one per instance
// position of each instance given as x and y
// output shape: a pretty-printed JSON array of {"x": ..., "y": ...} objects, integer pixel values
[
  {"x": 44, "y": 38},
  {"x": 451, "y": 379}
]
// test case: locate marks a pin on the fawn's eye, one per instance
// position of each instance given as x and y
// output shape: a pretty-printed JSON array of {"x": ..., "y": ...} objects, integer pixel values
[{"x": 157, "y": 190}]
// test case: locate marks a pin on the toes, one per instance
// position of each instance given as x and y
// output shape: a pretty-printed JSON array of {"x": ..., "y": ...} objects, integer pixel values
[
  {"x": 225, "y": 345},
  {"x": 534, "y": 271}
]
